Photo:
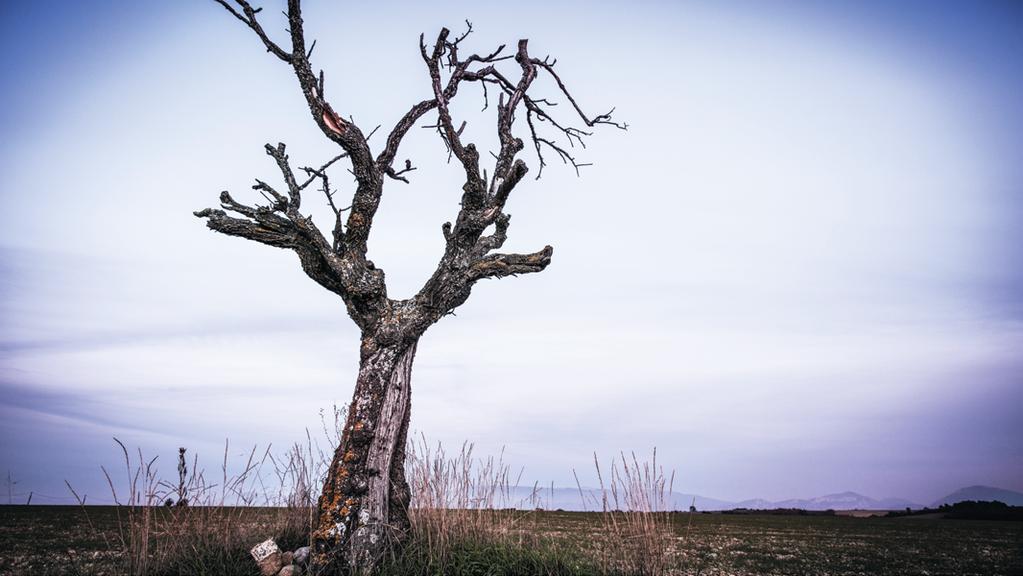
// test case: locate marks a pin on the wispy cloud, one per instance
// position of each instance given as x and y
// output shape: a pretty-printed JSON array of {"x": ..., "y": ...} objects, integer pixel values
[{"x": 804, "y": 249}]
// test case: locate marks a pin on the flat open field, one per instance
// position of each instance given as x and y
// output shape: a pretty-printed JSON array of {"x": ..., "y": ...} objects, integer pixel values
[
  {"x": 708, "y": 544},
  {"x": 718, "y": 544}
]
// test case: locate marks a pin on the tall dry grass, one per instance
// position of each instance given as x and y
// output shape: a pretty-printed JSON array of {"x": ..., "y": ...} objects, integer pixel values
[
  {"x": 460, "y": 502},
  {"x": 223, "y": 518},
  {"x": 468, "y": 516},
  {"x": 636, "y": 533}
]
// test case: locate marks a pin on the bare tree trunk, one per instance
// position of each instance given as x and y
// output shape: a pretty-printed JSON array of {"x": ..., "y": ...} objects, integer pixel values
[{"x": 364, "y": 505}]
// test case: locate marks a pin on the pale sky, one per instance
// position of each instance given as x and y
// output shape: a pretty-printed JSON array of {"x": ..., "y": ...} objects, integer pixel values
[{"x": 797, "y": 273}]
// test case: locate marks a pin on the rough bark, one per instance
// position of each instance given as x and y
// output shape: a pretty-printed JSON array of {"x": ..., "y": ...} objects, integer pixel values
[
  {"x": 365, "y": 497},
  {"x": 364, "y": 505}
]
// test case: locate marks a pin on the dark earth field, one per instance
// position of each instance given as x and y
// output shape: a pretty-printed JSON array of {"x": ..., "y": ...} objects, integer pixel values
[{"x": 49, "y": 539}]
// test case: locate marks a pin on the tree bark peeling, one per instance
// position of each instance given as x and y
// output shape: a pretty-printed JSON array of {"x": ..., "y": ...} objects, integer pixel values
[{"x": 364, "y": 505}]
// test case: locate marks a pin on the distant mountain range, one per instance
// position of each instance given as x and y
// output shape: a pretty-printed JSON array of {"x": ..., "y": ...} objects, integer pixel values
[
  {"x": 573, "y": 499},
  {"x": 840, "y": 501}
]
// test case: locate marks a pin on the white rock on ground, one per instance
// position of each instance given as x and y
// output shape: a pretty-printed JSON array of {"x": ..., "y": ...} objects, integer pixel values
[
  {"x": 268, "y": 556},
  {"x": 263, "y": 550}
]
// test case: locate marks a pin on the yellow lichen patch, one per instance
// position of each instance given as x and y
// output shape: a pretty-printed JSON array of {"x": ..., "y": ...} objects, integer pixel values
[
  {"x": 358, "y": 426},
  {"x": 335, "y": 501},
  {"x": 324, "y": 534},
  {"x": 347, "y": 508},
  {"x": 369, "y": 346},
  {"x": 349, "y": 456}
]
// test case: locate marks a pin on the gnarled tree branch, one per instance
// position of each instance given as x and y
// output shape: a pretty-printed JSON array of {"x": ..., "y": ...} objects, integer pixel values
[
  {"x": 467, "y": 257},
  {"x": 281, "y": 224},
  {"x": 501, "y": 265}
]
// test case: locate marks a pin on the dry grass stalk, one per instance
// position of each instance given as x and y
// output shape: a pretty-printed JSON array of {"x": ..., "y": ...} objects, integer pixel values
[
  {"x": 636, "y": 532},
  {"x": 459, "y": 500}
]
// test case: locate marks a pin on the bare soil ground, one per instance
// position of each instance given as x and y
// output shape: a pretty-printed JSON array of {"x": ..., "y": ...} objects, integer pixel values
[{"x": 64, "y": 540}]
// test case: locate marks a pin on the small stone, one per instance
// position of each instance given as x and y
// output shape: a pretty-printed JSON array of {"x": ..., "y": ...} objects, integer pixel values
[
  {"x": 301, "y": 556},
  {"x": 268, "y": 556},
  {"x": 290, "y": 570},
  {"x": 287, "y": 558},
  {"x": 270, "y": 565}
]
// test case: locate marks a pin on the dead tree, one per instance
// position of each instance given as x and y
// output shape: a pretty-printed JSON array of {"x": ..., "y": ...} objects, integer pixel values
[{"x": 365, "y": 497}]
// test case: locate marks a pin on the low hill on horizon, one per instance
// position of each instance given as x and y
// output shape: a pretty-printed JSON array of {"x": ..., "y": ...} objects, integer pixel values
[{"x": 981, "y": 494}]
